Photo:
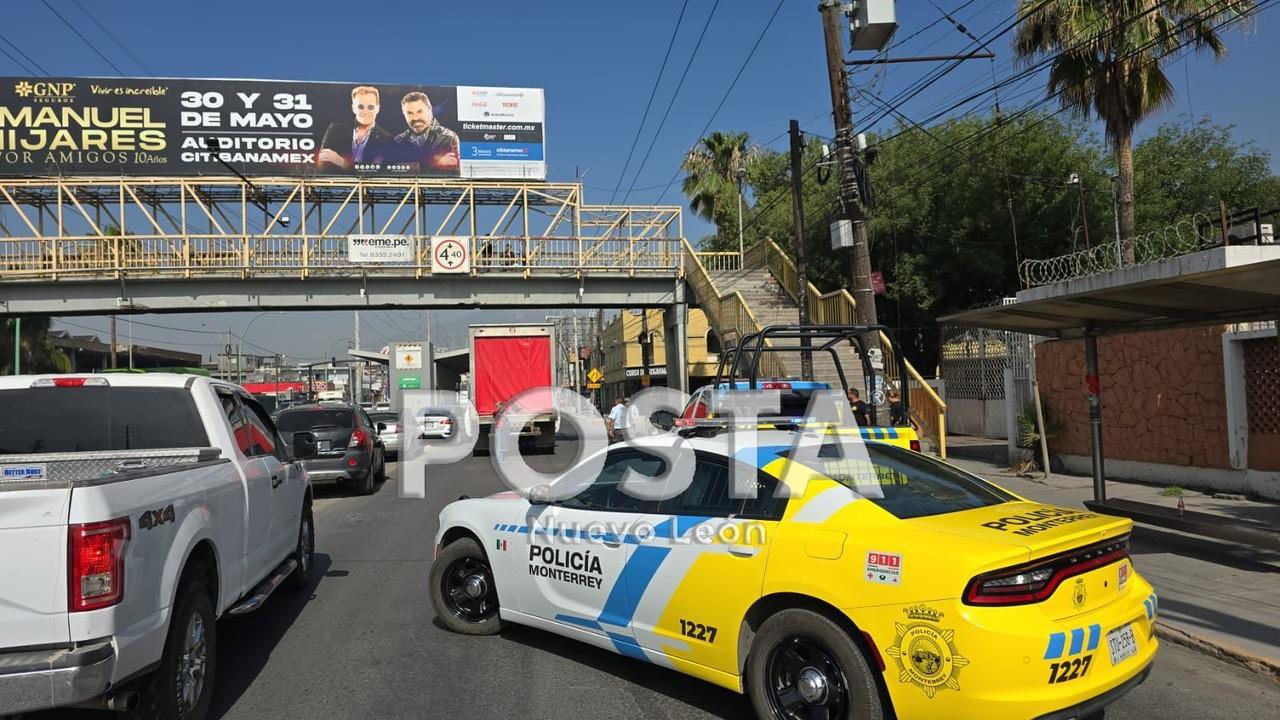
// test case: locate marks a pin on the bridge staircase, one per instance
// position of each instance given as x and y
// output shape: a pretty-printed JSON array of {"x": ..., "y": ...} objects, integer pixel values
[{"x": 741, "y": 295}]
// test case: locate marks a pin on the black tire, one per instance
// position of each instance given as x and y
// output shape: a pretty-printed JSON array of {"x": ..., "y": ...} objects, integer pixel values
[
  {"x": 382, "y": 468},
  {"x": 458, "y": 564},
  {"x": 165, "y": 694},
  {"x": 304, "y": 553},
  {"x": 366, "y": 485},
  {"x": 802, "y": 641}
]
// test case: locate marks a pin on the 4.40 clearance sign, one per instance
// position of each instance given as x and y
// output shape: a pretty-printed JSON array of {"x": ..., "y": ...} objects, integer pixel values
[{"x": 91, "y": 126}]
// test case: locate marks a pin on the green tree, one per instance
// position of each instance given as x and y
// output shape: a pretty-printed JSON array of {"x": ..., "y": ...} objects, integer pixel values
[
  {"x": 712, "y": 180},
  {"x": 38, "y": 354},
  {"x": 1105, "y": 59},
  {"x": 1186, "y": 168}
]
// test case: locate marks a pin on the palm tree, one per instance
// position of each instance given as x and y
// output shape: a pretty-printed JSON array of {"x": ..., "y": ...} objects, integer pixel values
[
  {"x": 1106, "y": 57},
  {"x": 711, "y": 185},
  {"x": 38, "y": 354}
]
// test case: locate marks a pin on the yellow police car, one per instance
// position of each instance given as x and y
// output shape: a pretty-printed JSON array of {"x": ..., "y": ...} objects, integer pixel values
[{"x": 881, "y": 583}]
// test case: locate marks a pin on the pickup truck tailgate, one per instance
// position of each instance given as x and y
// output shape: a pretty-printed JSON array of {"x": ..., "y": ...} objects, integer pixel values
[{"x": 33, "y": 585}]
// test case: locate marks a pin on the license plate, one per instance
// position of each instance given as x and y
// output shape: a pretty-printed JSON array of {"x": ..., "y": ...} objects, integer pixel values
[
  {"x": 1122, "y": 643},
  {"x": 323, "y": 445}
]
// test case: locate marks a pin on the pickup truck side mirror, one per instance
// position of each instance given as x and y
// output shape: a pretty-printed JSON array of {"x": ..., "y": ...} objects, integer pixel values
[
  {"x": 382, "y": 427},
  {"x": 540, "y": 495},
  {"x": 304, "y": 445}
]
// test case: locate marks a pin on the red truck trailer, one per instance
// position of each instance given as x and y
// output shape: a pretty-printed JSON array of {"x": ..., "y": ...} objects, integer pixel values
[{"x": 507, "y": 360}]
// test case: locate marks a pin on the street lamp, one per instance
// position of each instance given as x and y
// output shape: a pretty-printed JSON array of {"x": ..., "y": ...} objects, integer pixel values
[{"x": 244, "y": 339}]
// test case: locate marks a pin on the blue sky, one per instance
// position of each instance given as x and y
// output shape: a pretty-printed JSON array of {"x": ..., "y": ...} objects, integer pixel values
[{"x": 597, "y": 62}]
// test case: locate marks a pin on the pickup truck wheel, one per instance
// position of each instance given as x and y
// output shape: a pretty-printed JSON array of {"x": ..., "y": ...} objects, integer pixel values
[
  {"x": 182, "y": 687},
  {"x": 304, "y": 553},
  {"x": 802, "y": 665},
  {"x": 462, "y": 590}
]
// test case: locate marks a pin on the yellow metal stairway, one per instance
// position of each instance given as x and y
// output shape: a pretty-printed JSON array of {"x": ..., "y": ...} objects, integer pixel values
[{"x": 743, "y": 295}]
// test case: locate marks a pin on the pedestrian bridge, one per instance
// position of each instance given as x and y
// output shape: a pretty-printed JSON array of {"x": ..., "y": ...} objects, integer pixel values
[
  {"x": 109, "y": 245},
  {"x": 85, "y": 246}
]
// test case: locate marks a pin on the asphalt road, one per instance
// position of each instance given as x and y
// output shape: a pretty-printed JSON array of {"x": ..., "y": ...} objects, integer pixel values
[{"x": 364, "y": 643}]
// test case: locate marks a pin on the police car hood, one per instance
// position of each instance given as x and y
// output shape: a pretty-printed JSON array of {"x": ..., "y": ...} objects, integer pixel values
[{"x": 1043, "y": 530}]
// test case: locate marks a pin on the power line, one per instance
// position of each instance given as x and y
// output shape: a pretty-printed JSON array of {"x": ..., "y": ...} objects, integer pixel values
[
  {"x": 82, "y": 37},
  {"x": 671, "y": 104},
  {"x": 725, "y": 97},
  {"x": 24, "y": 67},
  {"x": 28, "y": 58},
  {"x": 973, "y": 138},
  {"x": 666, "y": 56},
  {"x": 113, "y": 38}
]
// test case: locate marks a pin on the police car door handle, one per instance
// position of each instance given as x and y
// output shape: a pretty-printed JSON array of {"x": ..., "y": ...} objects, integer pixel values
[{"x": 743, "y": 550}]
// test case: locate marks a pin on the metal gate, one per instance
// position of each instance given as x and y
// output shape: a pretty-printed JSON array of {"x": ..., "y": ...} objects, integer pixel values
[{"x": 987, "y": 378}]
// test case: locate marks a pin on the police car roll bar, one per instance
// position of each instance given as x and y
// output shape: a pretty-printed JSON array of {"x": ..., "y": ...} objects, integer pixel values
[{"x": 773, "y": 339}]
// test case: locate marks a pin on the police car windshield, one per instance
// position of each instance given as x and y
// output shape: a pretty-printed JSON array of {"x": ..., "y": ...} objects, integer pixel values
[{"x": 912, "y": 485}]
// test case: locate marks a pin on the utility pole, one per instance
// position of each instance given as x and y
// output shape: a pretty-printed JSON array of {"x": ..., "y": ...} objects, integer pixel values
[
  {"x": 850, "y": 197},
  {"x": 17, "y": 346},
  {"x": 356, "y": 331},
  {"x": 802, "y": 272},
  {"x": 113, "y": 342}
]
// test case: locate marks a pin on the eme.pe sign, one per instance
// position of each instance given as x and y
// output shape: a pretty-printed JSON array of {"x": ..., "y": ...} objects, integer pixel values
[{"x": 362, "y": 249}]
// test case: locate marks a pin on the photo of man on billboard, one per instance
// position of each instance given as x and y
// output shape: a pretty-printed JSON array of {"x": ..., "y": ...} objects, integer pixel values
[
  {"x": 429, "y": 146},
  {"x": 353, "y": 146}
]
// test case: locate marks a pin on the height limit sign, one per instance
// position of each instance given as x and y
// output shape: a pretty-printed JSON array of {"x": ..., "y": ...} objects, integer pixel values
[{"x": 450, "y": 255}]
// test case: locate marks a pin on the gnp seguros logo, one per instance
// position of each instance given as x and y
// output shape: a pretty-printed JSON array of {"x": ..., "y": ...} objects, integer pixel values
[{"x": 45, "y": 92}]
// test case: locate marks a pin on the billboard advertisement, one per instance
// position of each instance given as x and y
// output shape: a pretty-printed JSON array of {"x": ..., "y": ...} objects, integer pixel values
[{"x": 131, "y": 126}]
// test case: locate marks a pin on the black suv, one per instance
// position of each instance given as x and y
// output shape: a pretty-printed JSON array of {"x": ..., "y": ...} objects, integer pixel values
[{"x": 348, "y": 448}]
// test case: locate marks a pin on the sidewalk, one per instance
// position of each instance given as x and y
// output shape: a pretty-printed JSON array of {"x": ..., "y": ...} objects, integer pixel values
[{"x": 1221, "y": 597}]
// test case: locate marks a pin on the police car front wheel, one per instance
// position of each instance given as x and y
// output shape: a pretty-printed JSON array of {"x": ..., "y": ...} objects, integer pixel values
[
  {"x": 462, "y": 590},
  {"x": 803, "y": 665}
]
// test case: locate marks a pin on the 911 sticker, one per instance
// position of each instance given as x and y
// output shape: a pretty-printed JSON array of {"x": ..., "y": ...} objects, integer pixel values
[
  {"x": 1123, "y": 578},
  {"x": 884, "y": 568}
]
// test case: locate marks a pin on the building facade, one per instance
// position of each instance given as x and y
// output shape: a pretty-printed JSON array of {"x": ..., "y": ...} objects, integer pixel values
[{"x": 623, "y": 361}]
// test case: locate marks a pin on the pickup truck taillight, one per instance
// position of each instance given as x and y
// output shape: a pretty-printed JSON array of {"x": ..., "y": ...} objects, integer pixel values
[
  {"x": 95, "y": 564},
  {"x": 359, "y": 439}
]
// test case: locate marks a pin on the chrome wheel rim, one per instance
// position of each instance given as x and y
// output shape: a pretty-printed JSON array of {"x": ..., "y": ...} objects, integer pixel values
[
  {"x": 191, "y": 667},
  {"x": 306, "y": 545}
]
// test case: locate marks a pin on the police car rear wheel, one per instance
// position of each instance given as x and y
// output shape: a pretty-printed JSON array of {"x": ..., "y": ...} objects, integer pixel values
[
  {"x": 462, "y": 590},
  {"x": 804, "y": 666}
]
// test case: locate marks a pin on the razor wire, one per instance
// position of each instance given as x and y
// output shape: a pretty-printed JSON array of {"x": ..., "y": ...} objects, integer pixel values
[{"x": 1185, "y": 236}]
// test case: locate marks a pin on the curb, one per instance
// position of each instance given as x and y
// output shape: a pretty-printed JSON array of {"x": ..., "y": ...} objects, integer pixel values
[{"x": 1255, "y": 663}]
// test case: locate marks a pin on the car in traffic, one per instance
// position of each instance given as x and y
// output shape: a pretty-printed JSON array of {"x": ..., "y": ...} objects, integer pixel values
[
  {"x": 846, "y": 586},
  {"x": 135, "y": 512},
  {"x": 348, "y": 448},
  {"x": 434, "y": 423},
  {"x": 390, "y": 430}
]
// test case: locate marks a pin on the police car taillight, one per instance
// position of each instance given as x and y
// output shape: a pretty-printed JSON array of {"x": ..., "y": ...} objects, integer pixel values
[
  {"x": 1036, "y": 582},
  {"x": 915, "y": 445}
]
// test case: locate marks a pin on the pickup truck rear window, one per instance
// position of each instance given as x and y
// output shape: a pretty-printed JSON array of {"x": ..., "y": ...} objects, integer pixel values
[
  {"x": 95, "y": 419},
  {"x": 299, "y": 420}
]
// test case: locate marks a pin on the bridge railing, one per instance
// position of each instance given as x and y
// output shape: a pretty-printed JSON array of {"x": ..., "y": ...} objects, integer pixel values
[
  {"x": 195, "y": 255},
  {"x": 54, "y": 228}
]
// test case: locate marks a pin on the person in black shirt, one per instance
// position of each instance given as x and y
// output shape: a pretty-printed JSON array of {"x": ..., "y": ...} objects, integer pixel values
[
  {"x": 859, "y": 408},
  {"x": 897, "y": 417}
]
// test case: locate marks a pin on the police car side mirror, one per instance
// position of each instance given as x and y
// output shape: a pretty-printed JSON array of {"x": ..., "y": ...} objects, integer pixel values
[{"x": 540, "y": 495}]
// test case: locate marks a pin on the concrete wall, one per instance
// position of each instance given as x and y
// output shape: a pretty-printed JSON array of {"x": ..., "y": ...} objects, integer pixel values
[
  {"x": 1163, "y": 397},
  {"x": 985, "y": 418}
]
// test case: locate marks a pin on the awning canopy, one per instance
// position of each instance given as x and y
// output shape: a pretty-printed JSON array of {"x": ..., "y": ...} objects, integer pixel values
[{"x": 1220, "y": 285}]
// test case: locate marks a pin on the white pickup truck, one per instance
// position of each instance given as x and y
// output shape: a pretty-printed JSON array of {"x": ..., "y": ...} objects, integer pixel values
[{"x": 135, "y": 511}]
